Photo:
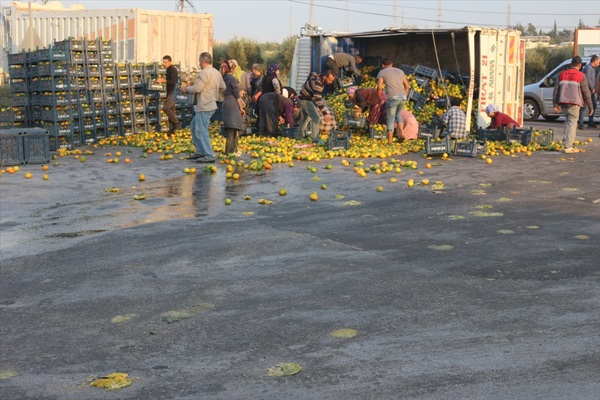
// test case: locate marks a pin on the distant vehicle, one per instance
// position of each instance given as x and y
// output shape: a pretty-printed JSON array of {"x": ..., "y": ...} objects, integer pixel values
[{"x": 538, "y": 96}]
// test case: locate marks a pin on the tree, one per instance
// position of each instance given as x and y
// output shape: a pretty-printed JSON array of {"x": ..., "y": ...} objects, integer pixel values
[
  {"x": 531, "y": 30},
  {"x": 536, "y": 64}
]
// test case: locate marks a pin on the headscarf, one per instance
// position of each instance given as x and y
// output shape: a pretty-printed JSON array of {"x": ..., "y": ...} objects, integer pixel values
[
  {"x": 272, "y": 69},
  {"x": 492, "y": 108},
  {"x": 225, "y": 67},
  {"x": 352, "y": 90}
]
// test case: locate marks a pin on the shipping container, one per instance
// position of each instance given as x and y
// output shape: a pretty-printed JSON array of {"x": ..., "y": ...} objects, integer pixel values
[
  {"x": 492, "y": 61},
  {"x": 137, "y": 35}
]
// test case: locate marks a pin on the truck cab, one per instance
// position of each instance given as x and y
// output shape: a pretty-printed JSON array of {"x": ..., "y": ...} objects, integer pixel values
[{"x": 537, "y": 98}]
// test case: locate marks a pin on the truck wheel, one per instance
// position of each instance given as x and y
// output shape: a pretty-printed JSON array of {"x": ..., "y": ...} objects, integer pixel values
[
  {"x": 531, "y": 111},
  {"x": 550, "y": 117}
]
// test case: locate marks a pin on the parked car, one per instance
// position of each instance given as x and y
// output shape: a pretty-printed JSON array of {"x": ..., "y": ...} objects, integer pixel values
[{"x": 538, "y": 96}]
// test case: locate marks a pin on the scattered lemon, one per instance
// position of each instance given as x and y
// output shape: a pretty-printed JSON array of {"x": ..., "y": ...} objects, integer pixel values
[
  {"x": 28, "y": 175},
  {"x": 227, "y": 202},
  {"x": 141, "y": 177},
  {"x": 488, "y": 160},
  {"x": 45, "y": 167},
  {"x": 45, "y": 177},
  {"x": 282, "y": 192},
  {"x": 314, "y": 196},
  {"x": 410, "y": 183},
  {"x": 428, "y": 165},
  {"x": 425, "y": 182},
  {"x": 324, "y": 186},
  {"x": 380, "y": 188},
  {"x": 236, "y": 176}
]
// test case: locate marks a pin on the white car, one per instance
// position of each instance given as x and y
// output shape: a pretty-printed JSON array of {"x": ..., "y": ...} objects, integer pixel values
[{"x": 538, "y": 96}]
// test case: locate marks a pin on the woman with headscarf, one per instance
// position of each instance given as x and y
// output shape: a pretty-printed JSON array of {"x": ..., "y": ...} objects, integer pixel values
[
  {"x": 271, "y": 82},
  {"x": 499, "y": 119},
  {"x": 367, "y": 98},
  {"x": 276, "y": 109},
  {"x": 232, "y": 109},
  {"x": 237, "y": 71}
]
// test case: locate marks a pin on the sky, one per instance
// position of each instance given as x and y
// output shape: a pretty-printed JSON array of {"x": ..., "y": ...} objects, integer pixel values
[{"x": 274, "y": 20}]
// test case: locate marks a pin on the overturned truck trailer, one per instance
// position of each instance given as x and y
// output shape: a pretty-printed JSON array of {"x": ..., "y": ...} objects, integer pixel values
[
  {"x": 490, "y": 61},
  {"x": 137, "y": 35}
]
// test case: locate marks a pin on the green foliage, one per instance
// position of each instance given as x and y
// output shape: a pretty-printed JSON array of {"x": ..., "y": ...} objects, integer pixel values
[
  {"x": 559, "y": 55},
  {"x": 247, "y": 52},
  {"x": 536, "y": 64},
  {"x": 541, "y": 60}
]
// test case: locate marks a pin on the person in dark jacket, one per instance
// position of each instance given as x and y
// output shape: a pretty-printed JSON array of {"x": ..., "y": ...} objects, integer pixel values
[
  {"x": 271, "y": 82},
  {"x": 275, "y": 109},
  {"x": 171, "y": 80},
  {"x": 232, "y": 108},
  {"x": 570, "y": 94}
]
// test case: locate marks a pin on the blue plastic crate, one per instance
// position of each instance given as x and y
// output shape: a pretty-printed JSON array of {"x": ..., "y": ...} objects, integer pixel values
[
  {"x": 470, "y": 148},
  {"x": 17, "y": 58},
  {"x": 421, "y": 70},
  {"x": 491, "y": 135},
  {"x": 17, "y": 71},
  {"x": 11, "y": 147},
  {"x": 522, "y": 136},
  {"x": 293, "y": 132},
  {"x": 36, "y": 146},
  {"x": 356, "y": 122},
  {"x": 433, "y": 146},
  {"x": 542, "y": 137},
  {"x": 338, "y": 140}
]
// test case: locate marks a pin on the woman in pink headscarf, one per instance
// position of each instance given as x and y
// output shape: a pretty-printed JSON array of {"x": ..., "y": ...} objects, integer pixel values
[{"x": 367, "y": 98}]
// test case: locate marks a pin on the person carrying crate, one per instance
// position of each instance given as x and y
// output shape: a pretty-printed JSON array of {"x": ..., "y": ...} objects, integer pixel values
[{"x": 342, "y": 61}]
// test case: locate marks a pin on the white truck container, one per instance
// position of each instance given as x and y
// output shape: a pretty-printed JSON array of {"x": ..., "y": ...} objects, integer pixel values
[
  {"x": 138, "y": 35},
  {"x": 493, "y": 60}
]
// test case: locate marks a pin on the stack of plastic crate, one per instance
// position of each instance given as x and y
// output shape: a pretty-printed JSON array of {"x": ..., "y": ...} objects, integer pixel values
[
  {"x": 155, "y": 95},
  {"x": 18, "y": 72}
]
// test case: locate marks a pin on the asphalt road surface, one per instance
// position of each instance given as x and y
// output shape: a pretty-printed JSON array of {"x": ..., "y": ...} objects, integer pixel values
[{"x": 485, "y": 288}]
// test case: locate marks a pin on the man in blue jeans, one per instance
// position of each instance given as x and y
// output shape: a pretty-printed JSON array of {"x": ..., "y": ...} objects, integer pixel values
[
  {"x": 396, "y": 89},
  {"x": 207, "y": 87}
]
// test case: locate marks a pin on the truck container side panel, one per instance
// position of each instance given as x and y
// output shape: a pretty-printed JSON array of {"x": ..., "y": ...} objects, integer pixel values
[
  {"x": 521, "y": 83},
  {"x": 472, "y": 66},
  {"x": 301, "y": 63},
  {"x": 137, "y": 35}
]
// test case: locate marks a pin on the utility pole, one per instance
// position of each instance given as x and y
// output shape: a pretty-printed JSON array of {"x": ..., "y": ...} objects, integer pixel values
[
  {"x": 439, "y": 14},
  {"x": 291, "y": 18},
  {"x": 346, "y": 17},
  {"x": 311, "y": 14},
  {"x": 395, "y": 20},
  {"x": 508, "y": 15},
  {"x": 181, "y": 4}
]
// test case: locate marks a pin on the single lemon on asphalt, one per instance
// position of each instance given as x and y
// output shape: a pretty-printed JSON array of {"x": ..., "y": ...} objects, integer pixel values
[
  {"x": 282, "y": 192},
  {"x": 380, "y": 188},
  {"x": 313, "y": 196}
]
